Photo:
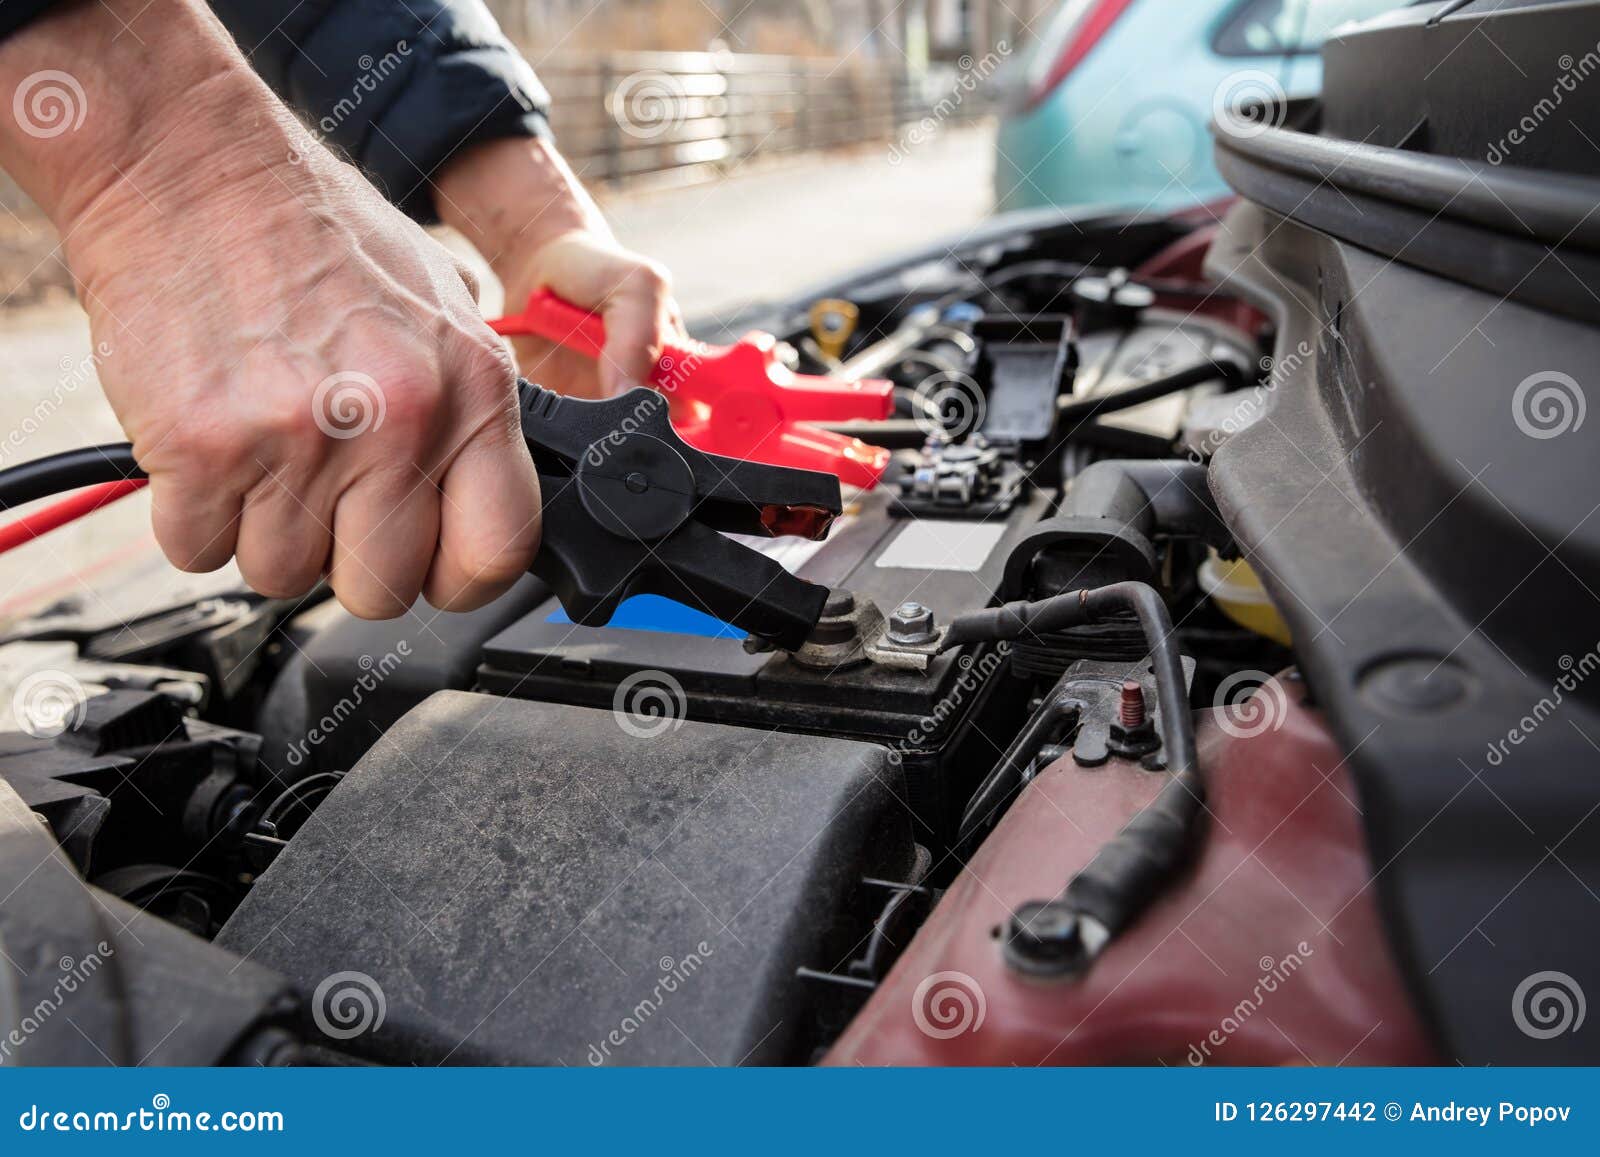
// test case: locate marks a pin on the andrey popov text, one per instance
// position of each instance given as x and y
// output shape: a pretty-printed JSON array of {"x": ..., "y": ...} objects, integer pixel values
[{"x": 1446, "y": 1113}]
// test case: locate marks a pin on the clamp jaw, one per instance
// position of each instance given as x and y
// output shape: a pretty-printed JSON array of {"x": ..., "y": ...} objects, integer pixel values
[
  {"x": 738, "y": 400},
  {"x": 631, "y": 508}
]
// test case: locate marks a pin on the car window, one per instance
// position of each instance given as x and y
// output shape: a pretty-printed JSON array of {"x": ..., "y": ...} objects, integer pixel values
[{"x": 1289, "y": 27}]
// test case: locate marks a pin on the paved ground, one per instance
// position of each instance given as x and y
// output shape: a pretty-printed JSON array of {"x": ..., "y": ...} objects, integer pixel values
[
  {"x": 786, "y": 228},
  {"x": 757, "y": 234}
]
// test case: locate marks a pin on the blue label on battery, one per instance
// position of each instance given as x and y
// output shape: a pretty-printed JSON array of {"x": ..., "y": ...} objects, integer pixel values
[{"x": 663, "y": 616}]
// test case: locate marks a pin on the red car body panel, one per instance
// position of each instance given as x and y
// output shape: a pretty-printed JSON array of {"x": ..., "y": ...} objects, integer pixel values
[{"x": 1270, "y": 951}]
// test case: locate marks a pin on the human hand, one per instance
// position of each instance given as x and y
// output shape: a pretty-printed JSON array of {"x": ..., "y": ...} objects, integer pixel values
[
  {"x": 524, "y": 211},
  {"x": 302, "y": 371}
]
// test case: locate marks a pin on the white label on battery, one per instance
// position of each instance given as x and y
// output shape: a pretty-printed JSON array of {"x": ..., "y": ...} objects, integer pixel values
[
  {"x": 792, "y": 553},
  {"x": 942, "y": 545}
]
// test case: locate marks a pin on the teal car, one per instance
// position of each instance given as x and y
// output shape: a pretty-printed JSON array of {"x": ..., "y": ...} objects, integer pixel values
[{"x": 1112, "y": 104}]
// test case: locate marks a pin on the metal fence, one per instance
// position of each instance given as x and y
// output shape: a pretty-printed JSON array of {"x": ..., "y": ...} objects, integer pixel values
[{"x": 619, "y": 116}]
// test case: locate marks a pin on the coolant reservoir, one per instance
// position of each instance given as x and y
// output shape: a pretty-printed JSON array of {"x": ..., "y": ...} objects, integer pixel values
[{"x": 1236, "y": 589}]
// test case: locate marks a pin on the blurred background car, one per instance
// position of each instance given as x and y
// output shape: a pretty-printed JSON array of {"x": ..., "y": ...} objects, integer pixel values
[{"x": 1112, "y": 103}]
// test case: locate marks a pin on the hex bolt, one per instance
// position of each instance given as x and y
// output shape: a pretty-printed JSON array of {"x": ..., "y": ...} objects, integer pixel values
[
  {"x": 911, "y": 623},
  {"x": 1044, "y": 938}
]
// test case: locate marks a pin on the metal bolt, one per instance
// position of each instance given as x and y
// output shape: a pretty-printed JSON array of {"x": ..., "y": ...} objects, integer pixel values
[
  {"x": 1130, "y": 709},
  {"x": 1044, "y": 938},
  {"x": 911, "y": 623},
  {"x": 839, "y": 603}
]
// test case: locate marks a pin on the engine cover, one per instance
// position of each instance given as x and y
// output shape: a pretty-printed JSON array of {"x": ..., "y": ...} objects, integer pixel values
[{"x": 532, "y": 883}]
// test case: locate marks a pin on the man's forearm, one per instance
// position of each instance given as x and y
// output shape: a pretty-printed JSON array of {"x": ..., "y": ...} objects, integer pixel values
[{"x": 509, "y": 197}]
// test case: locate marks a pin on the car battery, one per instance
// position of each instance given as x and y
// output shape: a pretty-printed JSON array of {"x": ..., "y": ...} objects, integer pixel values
[{"x": 658, "y": 662}]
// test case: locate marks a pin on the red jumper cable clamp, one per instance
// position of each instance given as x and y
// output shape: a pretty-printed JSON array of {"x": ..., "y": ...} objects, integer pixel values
[{"x": 737, "y": 400}]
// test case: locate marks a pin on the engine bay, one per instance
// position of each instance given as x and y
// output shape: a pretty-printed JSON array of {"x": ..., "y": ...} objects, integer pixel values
[
  {"x": 508, "y": 837},
  {"x": 204, "y": 783}
]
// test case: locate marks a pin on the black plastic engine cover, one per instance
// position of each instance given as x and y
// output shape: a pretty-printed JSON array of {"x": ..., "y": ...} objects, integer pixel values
[{"x": 537, "y": 883}]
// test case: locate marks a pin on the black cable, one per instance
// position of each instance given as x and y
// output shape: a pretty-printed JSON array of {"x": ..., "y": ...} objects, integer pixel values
[
  {"x": 1057, "y": 714},
  {"x": 1074, "y": 608},
  {"x": 1131, "y": 869},
  {"x": 1063, "y": 271},
  {"x": 1076, "y": 411},
  {"x": 72, "y": 470}
]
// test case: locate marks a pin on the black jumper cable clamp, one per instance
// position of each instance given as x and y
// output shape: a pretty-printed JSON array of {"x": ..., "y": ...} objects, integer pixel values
[{"x": 631, "y": 508}]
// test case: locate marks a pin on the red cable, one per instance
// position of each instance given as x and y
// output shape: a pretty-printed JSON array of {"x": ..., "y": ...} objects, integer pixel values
[{"x": 65, "y": 510}]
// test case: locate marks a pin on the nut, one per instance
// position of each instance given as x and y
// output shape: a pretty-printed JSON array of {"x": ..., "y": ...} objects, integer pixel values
[{"x": 911, "y": 623}]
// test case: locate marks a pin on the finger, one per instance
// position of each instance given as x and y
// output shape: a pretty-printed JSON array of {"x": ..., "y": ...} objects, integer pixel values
[
  {"x": 489, "y": 522},
  {"x": 195, "y": 526},
  {"x": 633, "y": 344},
  {"x": 285, "y": 536},
  {"x": 385, "y": 531},
  {"x": 636, "y": 323}
]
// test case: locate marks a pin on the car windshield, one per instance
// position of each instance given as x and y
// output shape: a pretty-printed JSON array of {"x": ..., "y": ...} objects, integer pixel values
[{"x": 1271, "y": 27}]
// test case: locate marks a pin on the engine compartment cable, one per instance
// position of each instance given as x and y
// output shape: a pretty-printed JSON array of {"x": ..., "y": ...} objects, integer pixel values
[
  {"x": 1130, "y": 870},
  {"x": 1075, "y": 411}
]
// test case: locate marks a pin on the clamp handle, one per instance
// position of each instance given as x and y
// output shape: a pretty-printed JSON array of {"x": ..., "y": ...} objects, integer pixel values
[
  {"x": 555, "y": 319},
  {"x": 631, "y": 508},
  {"x": 737, "y": 400}
]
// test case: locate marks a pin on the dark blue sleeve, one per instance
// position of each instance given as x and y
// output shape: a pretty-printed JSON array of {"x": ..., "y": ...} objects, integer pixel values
[
  {"x": 398, "y": 85},
  {"x": 15, "y": 13}
]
